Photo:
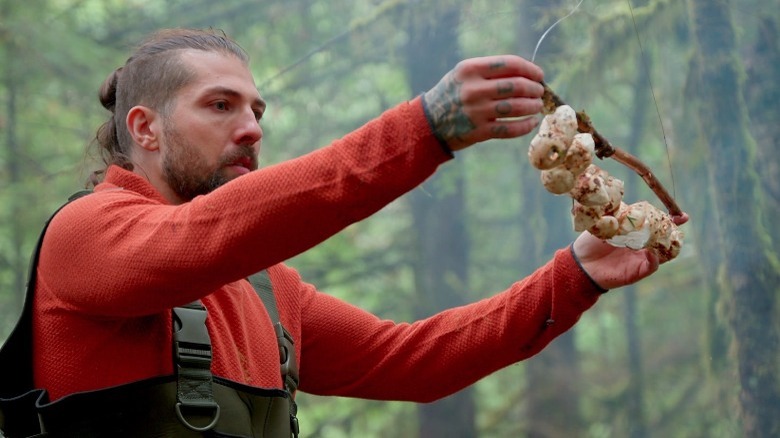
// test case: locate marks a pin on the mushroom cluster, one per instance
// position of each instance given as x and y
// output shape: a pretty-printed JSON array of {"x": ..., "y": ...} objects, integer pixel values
[{"x": 565, "y": 158}]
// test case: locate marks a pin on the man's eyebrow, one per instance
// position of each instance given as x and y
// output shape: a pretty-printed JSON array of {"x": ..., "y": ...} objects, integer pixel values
[{"x": 258, "y": 102}]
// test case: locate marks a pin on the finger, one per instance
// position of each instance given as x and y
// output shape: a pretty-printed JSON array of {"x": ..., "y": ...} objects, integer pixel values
[
  {"x": 680, "y": 219},
  {"x": 629, "y": 267},
  {"x": 517, "y": 107},
  {"x": 506, "y": 128},
  {"x": 642, "y": 264},
  {"x": 649, "y": 266},
  {"x": 503, "y": 66},
  {"x": 502, "y": 109},
  {"x": 589, "y": 247},
  {"x": 516, "y": 87},
  {"x": 653, "y": 262},
  {"x": 503, "y": 88}
]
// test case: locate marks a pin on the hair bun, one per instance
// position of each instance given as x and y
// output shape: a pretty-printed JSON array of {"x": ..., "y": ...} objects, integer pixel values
[{"x": 107, "y": 94}]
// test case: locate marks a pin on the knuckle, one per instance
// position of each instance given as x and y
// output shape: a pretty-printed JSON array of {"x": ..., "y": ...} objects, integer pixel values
[
  {"x": 461, "y": 68},
  {"x": 469, "y": 94}
]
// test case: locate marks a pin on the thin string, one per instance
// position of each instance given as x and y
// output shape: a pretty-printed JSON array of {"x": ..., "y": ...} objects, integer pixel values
[
  {"x": 655, "y": 101},
  {"x": 538, "y": 43}
]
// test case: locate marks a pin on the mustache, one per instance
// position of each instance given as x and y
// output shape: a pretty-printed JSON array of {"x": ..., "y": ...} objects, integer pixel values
[{"x": 244, "y": 157}]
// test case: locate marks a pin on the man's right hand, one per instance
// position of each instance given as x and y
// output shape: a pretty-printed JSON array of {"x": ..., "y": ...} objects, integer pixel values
[
  {"x": 612, "y": 267},
  {"x": 484, "y": 98}
]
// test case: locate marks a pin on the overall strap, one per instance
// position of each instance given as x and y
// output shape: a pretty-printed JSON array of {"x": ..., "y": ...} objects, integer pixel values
[
  {"x": 288, "y": 362},
  {"x": 192, "y": 364},
  {"x": 192, "y": 359},
  {"x": 261, "y": 281}
]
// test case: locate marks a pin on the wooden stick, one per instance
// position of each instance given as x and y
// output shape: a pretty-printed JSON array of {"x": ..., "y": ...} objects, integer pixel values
[{"x": 605, "y": 149}]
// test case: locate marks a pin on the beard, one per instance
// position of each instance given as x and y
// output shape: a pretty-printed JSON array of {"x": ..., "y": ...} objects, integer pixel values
[{"x": 188, "y": 173}]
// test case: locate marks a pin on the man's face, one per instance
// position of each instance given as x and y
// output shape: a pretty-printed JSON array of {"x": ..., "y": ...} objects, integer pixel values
[{"x": 212, "y": 133}]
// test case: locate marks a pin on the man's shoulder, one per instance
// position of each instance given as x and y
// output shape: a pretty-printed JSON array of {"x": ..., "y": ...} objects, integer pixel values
[{"x": 99, "y": 198}]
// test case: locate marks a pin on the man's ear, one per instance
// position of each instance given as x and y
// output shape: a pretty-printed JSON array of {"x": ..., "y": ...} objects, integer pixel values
[{"x": 144, "y": 125}]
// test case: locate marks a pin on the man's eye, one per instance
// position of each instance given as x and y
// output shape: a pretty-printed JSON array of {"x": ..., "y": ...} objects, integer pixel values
[{"x": 221, "y": 106}]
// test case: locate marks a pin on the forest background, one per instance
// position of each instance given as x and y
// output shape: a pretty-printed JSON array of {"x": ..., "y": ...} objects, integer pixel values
[{"x": 691, "y": 352}]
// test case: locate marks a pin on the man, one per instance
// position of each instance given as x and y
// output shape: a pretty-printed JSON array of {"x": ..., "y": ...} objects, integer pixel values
[{"x": 184, "y": 215}]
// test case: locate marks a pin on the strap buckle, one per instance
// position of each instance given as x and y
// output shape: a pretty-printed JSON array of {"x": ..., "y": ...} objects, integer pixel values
[
  {"x": 289, "y": 368},
  {"x": 214, "y": 416},
  {"x": 192, "y": 344},
  {"x": 287, "y": 358},
  {"x": 192, "y": 357}
]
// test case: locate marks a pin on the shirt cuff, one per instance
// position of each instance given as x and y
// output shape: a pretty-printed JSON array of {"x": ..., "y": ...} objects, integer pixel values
[{"x": 577, "y": 260}]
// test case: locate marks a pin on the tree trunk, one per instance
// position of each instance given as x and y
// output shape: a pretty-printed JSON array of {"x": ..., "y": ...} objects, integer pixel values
[
  {"x": 749, "y": 258},
  {"x": 439, "y": 213},
  {"x": 552, "y": 376},
  {"x": 16, "y": 261},
  {"x": 762, "y": 97},
  {"x": 634, "y": 396}
]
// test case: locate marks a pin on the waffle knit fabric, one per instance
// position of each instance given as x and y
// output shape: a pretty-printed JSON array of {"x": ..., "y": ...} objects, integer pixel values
[{"x": 115, "y": 262}]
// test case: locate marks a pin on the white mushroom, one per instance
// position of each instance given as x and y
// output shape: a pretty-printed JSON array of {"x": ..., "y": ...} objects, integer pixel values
[
  {"x": 604, "y": 228},
  {"x": 585, "y": 217},
  {"x": 614, "y": 188},
  {"x": 670, "y": 247},
  {"x": 580, "y": 153},
  {"x": 558, "y": 180},
  {"x": 590, "y": 189},
  {"x": 547, "y": 151},
  {"x": 565, "y": 158},
  {"x": 644, "y": 226},
  {"x": 549, "y": 147},
  {"x": 633, "y": 231},
  {"x": 563, "y": 122}
]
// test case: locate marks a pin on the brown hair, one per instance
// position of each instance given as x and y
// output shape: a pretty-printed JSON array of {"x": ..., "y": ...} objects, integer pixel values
[{"x": 151, "y": 77}]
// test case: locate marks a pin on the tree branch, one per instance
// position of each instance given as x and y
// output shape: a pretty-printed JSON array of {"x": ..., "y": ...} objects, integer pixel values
[
  {"x": 356, "y": 25},
  {"x": 605, "y": 149}
]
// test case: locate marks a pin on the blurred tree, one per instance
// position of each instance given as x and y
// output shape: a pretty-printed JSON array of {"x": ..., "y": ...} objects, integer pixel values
[
  {"x": 751, "y": 266},
  {"x": 643, "y": 105},
  {"x": 762, "y": 97},
  {"x": 442, "y": 256},
  {"x": 635, "y": 390},
  {"x": 552, "y": 376},
  {"x": 13, "y": 85},
  {"x": 39, "y": 136}
]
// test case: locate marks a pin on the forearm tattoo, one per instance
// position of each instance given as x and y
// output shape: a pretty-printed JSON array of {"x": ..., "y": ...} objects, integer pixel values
[{"x": 445, "y": 110}]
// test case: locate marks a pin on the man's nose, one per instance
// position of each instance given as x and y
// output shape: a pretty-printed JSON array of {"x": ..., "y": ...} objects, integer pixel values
[{"x": 249, "y": 131}]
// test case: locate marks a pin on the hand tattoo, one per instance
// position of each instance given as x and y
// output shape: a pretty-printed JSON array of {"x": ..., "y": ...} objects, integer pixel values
[
  {"x": 497, "y": 64},
  {"x": 503, "y": 108},
  {"x": 505, "y": 87},
  {"x": 445, "y": 110},
  {"x": 500, "y": 131}
]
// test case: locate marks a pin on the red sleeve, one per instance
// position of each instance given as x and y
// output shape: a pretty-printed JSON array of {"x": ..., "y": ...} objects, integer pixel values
[
  {"x": 349, "y": 352},
  {"x": 119, "y": 252}
]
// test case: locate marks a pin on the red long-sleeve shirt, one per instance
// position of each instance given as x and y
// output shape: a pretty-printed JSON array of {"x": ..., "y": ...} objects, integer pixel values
[{"x": 114, "y": 263}]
